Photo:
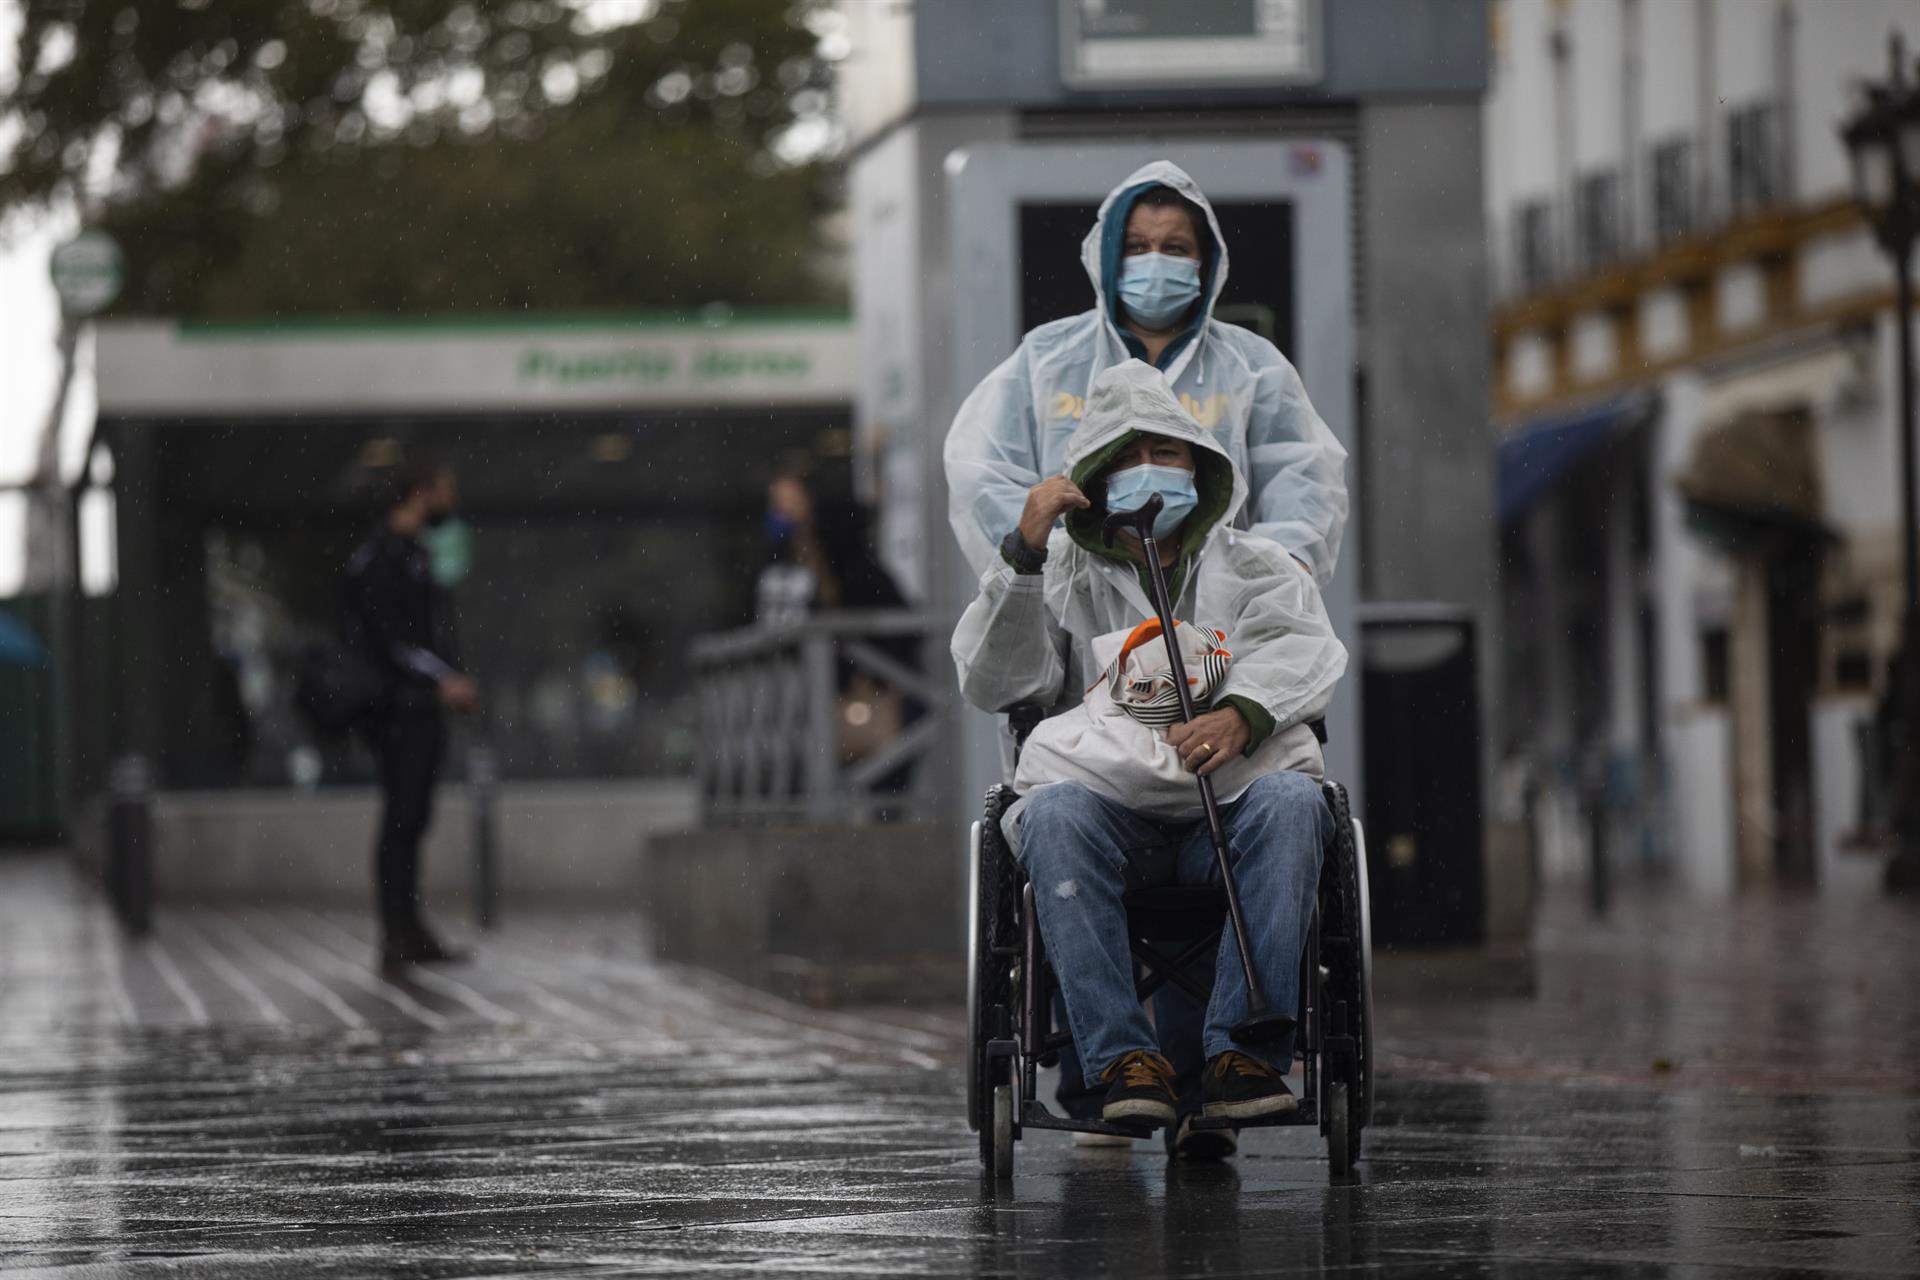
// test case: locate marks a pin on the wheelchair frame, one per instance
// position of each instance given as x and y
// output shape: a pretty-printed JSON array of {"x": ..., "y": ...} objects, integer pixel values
[{"x": 1010, "y": 989}]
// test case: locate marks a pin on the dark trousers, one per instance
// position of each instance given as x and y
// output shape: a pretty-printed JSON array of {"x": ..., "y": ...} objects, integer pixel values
[{"x": 410, "y": 743}]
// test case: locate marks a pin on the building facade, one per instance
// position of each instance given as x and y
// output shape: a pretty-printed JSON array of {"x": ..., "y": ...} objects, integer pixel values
[{"x": 1694, "y": 373}]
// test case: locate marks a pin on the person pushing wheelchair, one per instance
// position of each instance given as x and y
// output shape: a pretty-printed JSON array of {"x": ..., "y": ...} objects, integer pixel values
[{"x": 1108, "y": 802}]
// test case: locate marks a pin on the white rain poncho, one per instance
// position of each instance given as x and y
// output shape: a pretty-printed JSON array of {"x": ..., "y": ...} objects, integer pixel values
[
  {"x": 1014, "y": 427},
  {"x": 1043, "y": 638}
]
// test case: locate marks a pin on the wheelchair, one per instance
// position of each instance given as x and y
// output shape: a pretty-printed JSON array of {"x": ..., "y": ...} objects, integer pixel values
[{"x": 1174, "y": 932}]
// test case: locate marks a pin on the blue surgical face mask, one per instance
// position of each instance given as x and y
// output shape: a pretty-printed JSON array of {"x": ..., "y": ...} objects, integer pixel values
[
  {"x": 449, "y": 544},
  {"x": 1127, "y": 490},
  {"x": 1158, "y": 288}
]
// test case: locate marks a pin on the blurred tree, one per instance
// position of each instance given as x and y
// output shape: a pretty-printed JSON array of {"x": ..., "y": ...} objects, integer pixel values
[{"x": 338, "y": 156}]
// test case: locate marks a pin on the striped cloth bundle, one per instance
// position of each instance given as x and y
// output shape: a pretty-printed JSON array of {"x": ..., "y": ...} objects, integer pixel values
[{"x": 1140, "y": 679}]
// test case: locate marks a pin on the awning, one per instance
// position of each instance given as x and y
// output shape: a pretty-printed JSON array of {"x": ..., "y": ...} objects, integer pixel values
[
  {"x": 1811, "y": 383},
  {"x": 1752, "y": 482},
  {"x": 1535, "y": 456},
  {"x": 1761, "y": 464}
]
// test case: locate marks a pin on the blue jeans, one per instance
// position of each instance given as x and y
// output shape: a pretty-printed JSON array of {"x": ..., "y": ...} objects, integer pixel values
[{"x": 1083, "y": 851}]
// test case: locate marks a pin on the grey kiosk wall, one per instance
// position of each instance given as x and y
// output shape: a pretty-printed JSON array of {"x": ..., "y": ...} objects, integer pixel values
[{"x": 1017, "y": 213}]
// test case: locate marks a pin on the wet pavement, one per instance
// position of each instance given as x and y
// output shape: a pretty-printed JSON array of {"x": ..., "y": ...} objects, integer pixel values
[{"x": 1700, "y": 1092}]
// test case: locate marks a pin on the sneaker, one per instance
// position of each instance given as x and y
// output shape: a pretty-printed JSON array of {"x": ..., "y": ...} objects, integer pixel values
[
  {"x": 1204, "y": 1144},
  {"x": 1238, "y": 1087},
  {"x": 1140, "y": 1090}
]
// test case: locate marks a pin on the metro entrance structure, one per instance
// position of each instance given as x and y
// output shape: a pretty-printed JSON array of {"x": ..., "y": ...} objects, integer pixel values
[{"x": 613, "y": 474}]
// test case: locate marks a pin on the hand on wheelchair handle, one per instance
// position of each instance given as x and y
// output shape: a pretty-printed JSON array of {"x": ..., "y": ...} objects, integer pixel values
[{"x": 1210, "y": 739}]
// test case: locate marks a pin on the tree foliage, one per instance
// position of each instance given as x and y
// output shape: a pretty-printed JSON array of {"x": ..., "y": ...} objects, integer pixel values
[{"x": 422, "y": 155}]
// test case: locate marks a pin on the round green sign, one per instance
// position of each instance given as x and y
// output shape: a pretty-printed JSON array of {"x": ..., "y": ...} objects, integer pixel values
[{"x": 87, "y": 273}]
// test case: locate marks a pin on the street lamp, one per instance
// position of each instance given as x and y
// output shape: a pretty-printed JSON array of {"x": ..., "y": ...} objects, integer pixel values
[{"x": 1883, "y": 142}]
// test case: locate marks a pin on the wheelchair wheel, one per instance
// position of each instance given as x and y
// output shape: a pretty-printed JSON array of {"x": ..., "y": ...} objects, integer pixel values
[
  {"x": 997, "y": 1133},
  {"x": 990, "y": 931},
  {"x": 1347, "y": 945},
  {"x": 1366, "y": 974},
  {"x": 1343, "y": 1134}
]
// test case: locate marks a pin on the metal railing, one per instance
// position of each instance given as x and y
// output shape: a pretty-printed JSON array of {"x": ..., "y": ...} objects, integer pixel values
[
  {"x": 1679, "y": 184},
  {"x": 770, "y": 722}
]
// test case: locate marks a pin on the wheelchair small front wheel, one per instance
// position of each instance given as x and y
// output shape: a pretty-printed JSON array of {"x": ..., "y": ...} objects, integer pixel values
[
  {"x": 1003, "y": 1133},
  {"x": 1342, "y": 1137}
]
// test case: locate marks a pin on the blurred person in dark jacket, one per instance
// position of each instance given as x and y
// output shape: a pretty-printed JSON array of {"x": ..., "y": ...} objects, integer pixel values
[{"x": 399, "y": 618}]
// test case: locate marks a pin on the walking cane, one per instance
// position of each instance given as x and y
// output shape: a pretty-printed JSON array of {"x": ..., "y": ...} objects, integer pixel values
[{"x": 1263, "y": 1023}]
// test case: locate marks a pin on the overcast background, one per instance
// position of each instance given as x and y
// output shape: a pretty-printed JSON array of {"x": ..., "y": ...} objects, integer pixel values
[{"x": 29, "y": 318}]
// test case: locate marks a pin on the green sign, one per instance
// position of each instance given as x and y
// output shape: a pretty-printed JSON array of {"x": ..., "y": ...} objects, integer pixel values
[
  {"x": 88, "y": 272},
  {"x": 650, "y": 365}
]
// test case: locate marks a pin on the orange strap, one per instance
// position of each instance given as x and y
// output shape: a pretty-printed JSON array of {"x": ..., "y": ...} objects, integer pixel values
[{"x": 1146, "y": 633}]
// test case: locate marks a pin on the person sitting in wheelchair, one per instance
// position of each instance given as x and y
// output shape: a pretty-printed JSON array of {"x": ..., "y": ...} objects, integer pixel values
[{"x": 1108, "y": 802}]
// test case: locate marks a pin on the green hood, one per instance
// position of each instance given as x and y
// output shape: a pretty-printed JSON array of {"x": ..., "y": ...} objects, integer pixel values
[{"x": 1129, "y": 400}]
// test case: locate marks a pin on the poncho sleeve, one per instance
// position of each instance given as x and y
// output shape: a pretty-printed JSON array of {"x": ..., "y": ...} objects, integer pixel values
[
  {"x": 1296, "y": 471},
  {"x": 991, "y": 460},
  {"x": 1286, "y": 657},
  {"x": 1008, "y": 648}
]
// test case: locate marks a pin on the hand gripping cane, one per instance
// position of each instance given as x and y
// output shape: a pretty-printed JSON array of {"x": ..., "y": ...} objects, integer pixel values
[{"x": 1263, "y": 1023}]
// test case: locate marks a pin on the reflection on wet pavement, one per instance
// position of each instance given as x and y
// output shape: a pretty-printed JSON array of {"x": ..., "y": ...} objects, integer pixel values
[{"x": 244, "y": 1096}]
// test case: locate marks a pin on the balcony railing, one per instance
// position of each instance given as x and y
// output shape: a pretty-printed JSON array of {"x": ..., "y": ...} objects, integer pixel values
[
  {"x": 772, "y": 707},
  {"x": 1608, "y": 216}
]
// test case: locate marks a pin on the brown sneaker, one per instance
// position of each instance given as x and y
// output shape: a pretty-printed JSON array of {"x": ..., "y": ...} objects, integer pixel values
[
  {"x": 1238, "y": 1087},
  {"x": 1141, "y": 1091}
]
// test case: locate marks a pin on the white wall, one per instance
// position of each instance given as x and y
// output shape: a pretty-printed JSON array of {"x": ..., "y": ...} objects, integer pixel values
[
  {"x": 1743, "y": 44},
  {"x": 1596, "y": 37},
  {"x": 876, "y": 84},
  {"x": 1520, "y": 127},
  {"x": 1740, "y": 297},
  {"x": 1700, "y": 799},
  {"x": 1835, "y": 723},
  {"x": 1694, "y": 735},
  {"x": 890, "y": 394},
  {"x": 1669, "y": 53},
  {"x": 1858, "y": 453},
  {"x": 1664, "y": 325}
]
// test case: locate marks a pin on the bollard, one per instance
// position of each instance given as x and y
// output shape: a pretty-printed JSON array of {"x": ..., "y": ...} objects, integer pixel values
[
  {"x": 1596, "y": 794},
  {"x": 483, "y": 790},
  {"x": 129, "y": 866}
]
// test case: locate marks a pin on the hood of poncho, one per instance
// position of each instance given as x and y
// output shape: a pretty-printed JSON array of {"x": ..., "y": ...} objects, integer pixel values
[
  {"x": 1104, "y": 249},
  {"x": 1130, "y": 400}
]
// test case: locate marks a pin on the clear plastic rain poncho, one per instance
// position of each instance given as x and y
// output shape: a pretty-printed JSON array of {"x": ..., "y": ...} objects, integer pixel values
[
  {"x": 1039, "y": 638},
  {"x": 1013, "y": 429}
]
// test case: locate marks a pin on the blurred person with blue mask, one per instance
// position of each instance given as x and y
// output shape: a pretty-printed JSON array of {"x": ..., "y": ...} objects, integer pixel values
[{"x": 1157, "y": 263}]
